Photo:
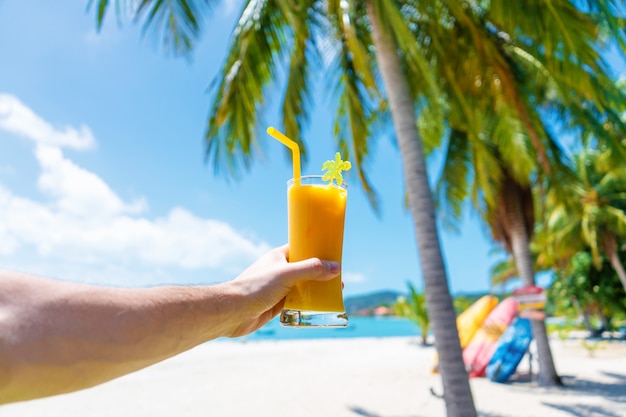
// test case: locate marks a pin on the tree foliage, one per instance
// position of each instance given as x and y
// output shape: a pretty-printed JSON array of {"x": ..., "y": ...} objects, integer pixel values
[
  {"x": 580, "y": 288},
  {"x": 413, "y": 307}
]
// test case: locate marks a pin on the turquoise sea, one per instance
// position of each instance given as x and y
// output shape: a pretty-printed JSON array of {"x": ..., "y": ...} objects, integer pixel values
[{"x": 357, "y": 327}]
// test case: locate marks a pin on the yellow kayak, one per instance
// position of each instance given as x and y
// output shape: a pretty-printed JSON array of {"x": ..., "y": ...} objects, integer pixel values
[{"x": 469, "y": 321}]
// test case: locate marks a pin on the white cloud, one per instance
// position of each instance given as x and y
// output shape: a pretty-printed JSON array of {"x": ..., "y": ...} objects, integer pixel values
[
  {"x": 81, "y": 220},
  {"x": 77, "y": 191},
  {"x": 179, "y": 239},
  {"x": 16, "y": 118}
]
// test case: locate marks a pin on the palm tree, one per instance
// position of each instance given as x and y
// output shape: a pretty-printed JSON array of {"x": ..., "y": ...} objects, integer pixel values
[
  {"x": 592, "y": 211},
  {"x": 457, "y": 393},
  {"x": 512, "y": 223},
  {"x": 500, "y": 145},
  {"x": 414, "y": 308}
]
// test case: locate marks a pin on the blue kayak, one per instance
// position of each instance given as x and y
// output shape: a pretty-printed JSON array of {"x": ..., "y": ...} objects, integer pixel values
[{"x": 511, "y": 348}]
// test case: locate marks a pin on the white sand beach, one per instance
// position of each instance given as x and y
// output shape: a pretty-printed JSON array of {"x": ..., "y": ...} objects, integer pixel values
[{"x": 386, "y": 377}]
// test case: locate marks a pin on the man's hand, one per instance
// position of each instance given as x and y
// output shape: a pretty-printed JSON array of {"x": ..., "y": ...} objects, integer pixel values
[{"x": 265, "y": 284}]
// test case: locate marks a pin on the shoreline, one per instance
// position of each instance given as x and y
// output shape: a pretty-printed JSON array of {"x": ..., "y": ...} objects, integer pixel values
[{"x": 352, "y": 377}]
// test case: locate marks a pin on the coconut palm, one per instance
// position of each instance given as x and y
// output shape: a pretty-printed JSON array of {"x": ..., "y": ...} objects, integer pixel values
[
  {"x": 510, "y": 218},
  {"x": 593, "y": 212},
  {"x": 413, "y": 307},
  {"x": 510, "y": 94}
]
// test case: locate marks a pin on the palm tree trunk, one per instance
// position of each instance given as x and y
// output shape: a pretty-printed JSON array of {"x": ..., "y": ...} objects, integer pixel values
[
  {"x": 584, "y": 315},
  {"x": 425, "y": 337},
  {"x": 520, "y": 246},
  {"x": 611, "y": 251},
  {"x": 457, "y": 393},
  {"x": 606, "y": 323}
]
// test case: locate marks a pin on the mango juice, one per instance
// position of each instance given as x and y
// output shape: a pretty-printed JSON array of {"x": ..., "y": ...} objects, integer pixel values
[{"x": 316, "y": 215}]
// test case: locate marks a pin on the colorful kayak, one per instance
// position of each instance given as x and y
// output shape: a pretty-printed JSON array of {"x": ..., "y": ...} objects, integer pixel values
[
  {"x": 510, "y": 350},
  {"x": 470, "y": 320},
  {"x": 479, "y": 351}
]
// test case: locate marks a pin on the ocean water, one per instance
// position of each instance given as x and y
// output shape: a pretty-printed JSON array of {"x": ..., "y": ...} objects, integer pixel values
[{"x": 357, "y": 327}]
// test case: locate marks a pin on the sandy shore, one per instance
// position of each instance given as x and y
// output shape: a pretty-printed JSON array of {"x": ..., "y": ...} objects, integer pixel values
[{"x": 340, "y": 378}]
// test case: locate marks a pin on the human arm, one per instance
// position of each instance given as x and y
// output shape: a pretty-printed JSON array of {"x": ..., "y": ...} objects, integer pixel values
[{"x": 58, "y": 337}]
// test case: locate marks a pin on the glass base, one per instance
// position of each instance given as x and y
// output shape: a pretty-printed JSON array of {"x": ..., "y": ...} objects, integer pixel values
[{"x": 298, "y": 318}]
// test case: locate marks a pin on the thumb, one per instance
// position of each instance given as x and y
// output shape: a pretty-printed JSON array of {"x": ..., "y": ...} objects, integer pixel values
[{"x": 312, "y": 269}]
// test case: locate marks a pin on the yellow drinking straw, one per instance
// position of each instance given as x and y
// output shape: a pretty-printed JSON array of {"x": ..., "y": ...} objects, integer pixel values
[{"x": 295, "y": 151}]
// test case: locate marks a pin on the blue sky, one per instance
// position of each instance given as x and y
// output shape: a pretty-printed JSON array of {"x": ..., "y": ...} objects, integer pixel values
[{"x": 103, "y": 179}]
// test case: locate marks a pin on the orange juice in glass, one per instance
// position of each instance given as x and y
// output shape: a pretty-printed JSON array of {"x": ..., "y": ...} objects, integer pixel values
[{"x": 316, "y": 212}]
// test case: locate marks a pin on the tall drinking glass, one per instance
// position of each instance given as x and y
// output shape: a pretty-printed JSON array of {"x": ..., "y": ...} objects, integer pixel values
[{"x": 316, "y": 213}]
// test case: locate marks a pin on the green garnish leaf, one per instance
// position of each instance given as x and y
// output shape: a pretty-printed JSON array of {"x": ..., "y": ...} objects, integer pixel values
[{"x": 334, "y": 168}]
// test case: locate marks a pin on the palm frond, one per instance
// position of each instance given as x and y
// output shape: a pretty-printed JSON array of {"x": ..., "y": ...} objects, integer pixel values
[
  {"x": 258, "y": 45},
  {"x": 304, "y": 56},
  {"x": 503, "y": 271},
  {"x": 453, "y": 185},
  {"x": 358, "y": 91},
  {"x": 175, "y": 24}
]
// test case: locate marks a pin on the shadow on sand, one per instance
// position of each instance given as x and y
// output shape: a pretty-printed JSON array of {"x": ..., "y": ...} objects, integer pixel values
[
  {"x": 613, "y": 391},
  {"x": 582, "y": 410},
  {"x": 364, "y": 413}
]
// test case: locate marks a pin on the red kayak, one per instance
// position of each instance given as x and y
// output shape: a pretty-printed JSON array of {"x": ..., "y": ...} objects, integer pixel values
[{"x": 479, "y": 351}]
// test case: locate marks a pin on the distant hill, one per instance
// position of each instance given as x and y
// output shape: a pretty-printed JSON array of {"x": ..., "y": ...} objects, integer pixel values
[
  {"x": 359, "y": 303},
  {"x": 473, "y": 295},
  {"x": 365, "y": 303}
]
